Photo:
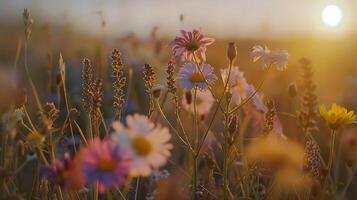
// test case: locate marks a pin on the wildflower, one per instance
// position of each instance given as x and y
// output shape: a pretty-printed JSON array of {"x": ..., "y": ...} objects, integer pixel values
[
  {"x": 147, "y": 144},
  {"x": 119, "y": 79},
  {"x": 278, "y": 58},
  {"x": 149, "y": 76},
  {"x": 189, "y": 43},
  {"x": 271, "y": 152},
  {"x": 237, "y": 84},
  {"x": 34, "y": 138},
  {"x": 269, "y": 117},
  {"x": 190, "y": 77},
  {"x": 101, "y": 162},
  {"x": 60, "y": 172},
  {"x": 170, "y": 79},
  {"x": 337, "y": 116},
  {"x": 308, "y": 113},
  {"x": 312, "y": 160},
  {"x": 204, "y": 102},
  {"x": 10, "y": 119}
]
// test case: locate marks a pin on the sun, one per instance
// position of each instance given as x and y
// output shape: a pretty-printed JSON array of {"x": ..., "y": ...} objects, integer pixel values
[{"x": 331, "y": 15}]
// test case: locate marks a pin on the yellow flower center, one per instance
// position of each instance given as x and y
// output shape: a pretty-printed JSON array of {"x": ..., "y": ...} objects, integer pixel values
[
  {"x": 106, "y": 165},
  {"x": 142, "y": 146},
  {"x": 197, "y": 77},
  {"x": 34, "y": 137},
  {"x": 192, "y": 45}
]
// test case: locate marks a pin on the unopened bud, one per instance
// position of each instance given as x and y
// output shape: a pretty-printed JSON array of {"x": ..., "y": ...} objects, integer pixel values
[
  {"x": 231, "y": 51},
  {"x": 233, "y": 127},
  {"x": 188, "y": 97},
  {"x": 21, "y": 147},
  {"x": 292, "y": 90},
  {"x": 156, "y": 91}
]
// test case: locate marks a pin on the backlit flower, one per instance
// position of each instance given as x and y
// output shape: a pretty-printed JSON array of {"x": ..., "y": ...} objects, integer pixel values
[
  {"x": 34, "y": 138},
  {"x": 283, "y": 160},
  {"x": 190, "y": 43},
  {"x": 101, "y": 162},
  {"x": 147, "y": 144},
  {"x": 271, "y": 152},
  {"x": 237, "y": 84},
  {"x": 189, "y": 76},
  {"x": 204, "y": 102},
  {"x": 278, "y": 58},
  {"x": 337, "y": 116}
]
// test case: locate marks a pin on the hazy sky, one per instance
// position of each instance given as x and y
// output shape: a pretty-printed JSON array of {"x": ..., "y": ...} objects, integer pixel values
[{"x": 232, "y": 18}]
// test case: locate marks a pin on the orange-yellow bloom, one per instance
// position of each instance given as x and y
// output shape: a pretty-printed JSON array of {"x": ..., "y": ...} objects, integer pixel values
[{"x": 337, "y": 116}]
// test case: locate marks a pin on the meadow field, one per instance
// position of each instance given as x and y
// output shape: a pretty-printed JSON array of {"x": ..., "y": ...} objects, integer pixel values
[{"x": 184, "y": 116}]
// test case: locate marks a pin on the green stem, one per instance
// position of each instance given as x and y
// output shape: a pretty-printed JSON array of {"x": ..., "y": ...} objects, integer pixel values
[
  {"x": 195, "y": 142},
  {"x": 137, "y": 188},
  {"x": 330, "y": 159}
]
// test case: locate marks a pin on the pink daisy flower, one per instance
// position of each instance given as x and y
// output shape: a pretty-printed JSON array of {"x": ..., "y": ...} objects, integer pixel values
[
  {"x": 189, "y": 43},
  {"x": 101, "y": 162}
]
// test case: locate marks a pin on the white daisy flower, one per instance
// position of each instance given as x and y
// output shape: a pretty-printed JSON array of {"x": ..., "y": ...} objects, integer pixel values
[
  {"x": 278, "y": 58},
  {"x": 147, "y": 144}
]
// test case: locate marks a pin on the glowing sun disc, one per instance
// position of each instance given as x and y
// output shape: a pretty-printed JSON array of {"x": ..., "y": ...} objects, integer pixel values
[{"x": 331, "y": 15}]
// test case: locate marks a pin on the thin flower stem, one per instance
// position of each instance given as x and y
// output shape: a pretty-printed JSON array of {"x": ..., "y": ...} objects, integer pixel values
[
  {"x": 80, "y": 132},
  {"x": 120, "y": 193},
  {"x": 215, "y": 112},
  {"x": 196, "y": 137},
  {"x": 225, "y": 144},
  {"x": 137, "y": 188},
  {"x": 330, "y": 158},
  {"x": 208, "y": 85},
  {"x": 186, "y": 143},
  {"x": 37, "y": 99},
  {"x": 253, "y": 94}
]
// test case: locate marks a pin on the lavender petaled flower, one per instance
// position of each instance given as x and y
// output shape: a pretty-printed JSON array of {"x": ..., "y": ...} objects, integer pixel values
[{"x": 189, "y": 76}]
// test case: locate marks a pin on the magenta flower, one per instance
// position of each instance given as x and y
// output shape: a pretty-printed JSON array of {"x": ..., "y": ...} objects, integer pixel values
[
  {"x": 61, "y": 173},
  {"x": 101, "y": 162},
  {"x": 189, "y": 43}
]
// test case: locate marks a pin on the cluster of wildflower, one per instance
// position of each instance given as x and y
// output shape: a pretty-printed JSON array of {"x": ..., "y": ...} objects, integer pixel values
[{"x": 135, "y": 150}]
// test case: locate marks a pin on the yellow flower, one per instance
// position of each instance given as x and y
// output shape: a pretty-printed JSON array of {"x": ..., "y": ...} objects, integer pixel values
[
  {"x": 337, "y": 116},
  {"x": 275, "y": 152},
  {"x": 34, "y": 138}
]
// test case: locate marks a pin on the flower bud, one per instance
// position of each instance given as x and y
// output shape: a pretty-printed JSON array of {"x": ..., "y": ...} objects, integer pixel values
[
  {"x": 21, "y": 148},
  {"x": 292, "y": 90},
  {"x": 156, "y": 91},
  {"x": 188, "y": 97},
  {"x": 231, "y": 51},
  {"x": 233, "y": 128}
]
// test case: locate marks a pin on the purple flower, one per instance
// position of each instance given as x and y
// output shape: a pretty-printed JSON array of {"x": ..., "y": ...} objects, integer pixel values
[
  {"x": 189, "y": 76},
  {"x": 101, "y": 162},
  {"x": 60, "y": 172}
]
